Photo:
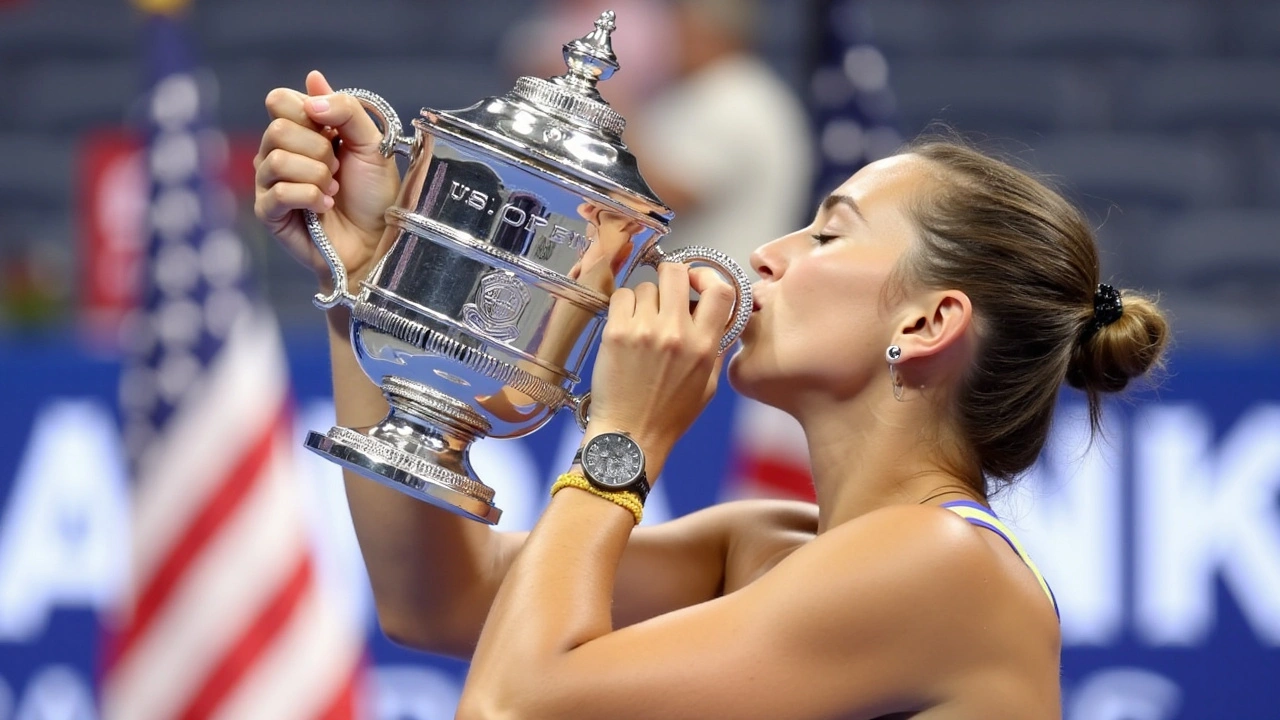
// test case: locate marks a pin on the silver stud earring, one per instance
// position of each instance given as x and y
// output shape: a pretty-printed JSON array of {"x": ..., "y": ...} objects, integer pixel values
[{"x": 893, "y": 354}]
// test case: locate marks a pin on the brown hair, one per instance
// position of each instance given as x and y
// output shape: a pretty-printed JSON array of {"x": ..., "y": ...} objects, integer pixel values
[{"x": 1028, "y": 261}]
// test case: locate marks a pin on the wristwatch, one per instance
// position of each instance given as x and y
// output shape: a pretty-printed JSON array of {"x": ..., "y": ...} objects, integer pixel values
[{"x": 613, "y": 461}]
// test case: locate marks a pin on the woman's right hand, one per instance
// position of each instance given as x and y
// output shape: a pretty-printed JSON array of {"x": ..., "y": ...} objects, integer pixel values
[{"x": 296, "y": 169}]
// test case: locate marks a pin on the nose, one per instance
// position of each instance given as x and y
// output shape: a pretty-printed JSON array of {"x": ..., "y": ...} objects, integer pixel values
[{"x": 769, "y": 260}]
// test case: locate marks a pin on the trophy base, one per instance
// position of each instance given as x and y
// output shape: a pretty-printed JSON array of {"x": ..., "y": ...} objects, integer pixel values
[{"x": 422, "y": 457}]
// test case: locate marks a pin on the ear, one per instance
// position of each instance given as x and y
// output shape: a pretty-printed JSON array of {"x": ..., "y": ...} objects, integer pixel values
[{"x": 937, "y": 321}]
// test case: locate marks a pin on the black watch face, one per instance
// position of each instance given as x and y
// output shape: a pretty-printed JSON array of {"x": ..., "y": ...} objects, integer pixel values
[{"x": 613, "y": 460}]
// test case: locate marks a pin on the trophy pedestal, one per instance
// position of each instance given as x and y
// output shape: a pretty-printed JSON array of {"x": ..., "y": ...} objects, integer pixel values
[{"x": 421, "y": 449}]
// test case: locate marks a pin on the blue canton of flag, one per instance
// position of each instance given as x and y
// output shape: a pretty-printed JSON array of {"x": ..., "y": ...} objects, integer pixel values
[{"x": 195, "y": 283}]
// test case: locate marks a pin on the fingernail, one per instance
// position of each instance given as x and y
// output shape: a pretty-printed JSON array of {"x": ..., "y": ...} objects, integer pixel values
[
  {"x": 328, "y": 201},
  {"x": 318, "y": 104},
  {"x": 333, "y": 188}
]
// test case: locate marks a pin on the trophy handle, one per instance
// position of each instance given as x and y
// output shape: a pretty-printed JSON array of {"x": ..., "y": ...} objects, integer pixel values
[
  {"x": 581, "y": 405},
  {"x": 392, "y": 142},
  {"x": 728, "y": 267}
]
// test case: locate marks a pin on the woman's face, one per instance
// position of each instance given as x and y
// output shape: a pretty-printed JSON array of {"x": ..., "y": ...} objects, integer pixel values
[{"x": 823, "y": 317}]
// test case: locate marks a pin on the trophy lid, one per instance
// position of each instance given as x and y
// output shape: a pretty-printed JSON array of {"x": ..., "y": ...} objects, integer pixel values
[{"x": 563, "y": 120}]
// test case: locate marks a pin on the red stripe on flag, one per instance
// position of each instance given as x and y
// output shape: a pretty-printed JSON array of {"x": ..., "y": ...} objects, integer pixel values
[
  {"x": 204, "y": 526},
  {"x": 241, "y": 656},
  {"x": 776, "y": 476}
]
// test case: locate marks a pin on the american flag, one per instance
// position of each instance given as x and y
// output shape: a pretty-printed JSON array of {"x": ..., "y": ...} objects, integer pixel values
[
  {"x": 853, "y": 108},
  {"x": 224, "y": 616}
]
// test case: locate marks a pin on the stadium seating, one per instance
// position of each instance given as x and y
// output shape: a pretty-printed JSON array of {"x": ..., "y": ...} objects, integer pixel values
[{"x": 1155, "y": 114}]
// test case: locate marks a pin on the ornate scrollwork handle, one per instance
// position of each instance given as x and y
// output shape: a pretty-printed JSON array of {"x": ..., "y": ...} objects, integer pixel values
[{"x": 392, "y": 142}]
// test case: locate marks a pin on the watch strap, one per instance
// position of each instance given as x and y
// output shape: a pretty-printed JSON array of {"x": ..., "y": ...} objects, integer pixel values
[{"x": 626, "y": 499}]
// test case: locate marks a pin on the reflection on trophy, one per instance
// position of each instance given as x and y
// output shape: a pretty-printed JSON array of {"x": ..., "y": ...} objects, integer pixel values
[{"x": 517, "y": 218}]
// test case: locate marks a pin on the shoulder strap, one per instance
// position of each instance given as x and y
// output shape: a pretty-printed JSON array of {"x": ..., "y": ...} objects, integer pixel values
[{"x": 978, "y": 515}]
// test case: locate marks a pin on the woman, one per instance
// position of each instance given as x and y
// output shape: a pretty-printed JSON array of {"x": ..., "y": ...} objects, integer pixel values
[{"x": 919, "y": 329}]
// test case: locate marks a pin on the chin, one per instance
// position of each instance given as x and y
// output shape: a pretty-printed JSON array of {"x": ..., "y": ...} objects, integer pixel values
[{"x": 745, "y": 377}]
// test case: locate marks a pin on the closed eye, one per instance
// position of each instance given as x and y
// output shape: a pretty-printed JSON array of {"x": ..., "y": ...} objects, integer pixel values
[{"x": 823, "y": 238}]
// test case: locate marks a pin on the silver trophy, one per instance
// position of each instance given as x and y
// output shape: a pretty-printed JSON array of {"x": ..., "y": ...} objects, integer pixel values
[{"x": 516, "y": 220}]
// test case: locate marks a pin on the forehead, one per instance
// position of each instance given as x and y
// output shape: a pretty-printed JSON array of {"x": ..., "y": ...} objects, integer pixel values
[{"x": 887, "y": 183}]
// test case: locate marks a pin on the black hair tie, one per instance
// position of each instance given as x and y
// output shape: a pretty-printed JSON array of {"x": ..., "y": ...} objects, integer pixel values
[{"x": 1107, "y": 308}]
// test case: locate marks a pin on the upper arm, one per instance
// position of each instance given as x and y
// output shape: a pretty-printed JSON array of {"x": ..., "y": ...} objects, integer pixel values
[
  {"x": 839, "y": 628},
  {"x": 664, "y": 568},
  {"x": 681, "y": 562}
]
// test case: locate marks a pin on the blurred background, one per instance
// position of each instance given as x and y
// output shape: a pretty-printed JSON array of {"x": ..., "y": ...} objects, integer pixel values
[{"x": 1161, "y": 118}]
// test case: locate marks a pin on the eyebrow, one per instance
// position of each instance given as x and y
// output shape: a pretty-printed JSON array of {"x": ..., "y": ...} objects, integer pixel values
[{"x": 834, "y": 200}]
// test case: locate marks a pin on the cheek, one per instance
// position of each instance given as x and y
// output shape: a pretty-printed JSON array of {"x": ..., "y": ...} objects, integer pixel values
[
  {"x": 837, "y": 320},
  {"x": 826, "y": 328}
]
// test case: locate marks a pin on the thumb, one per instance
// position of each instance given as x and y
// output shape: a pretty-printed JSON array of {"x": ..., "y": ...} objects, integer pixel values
[
  {"x": 317, "y": 84},
  {"x": 342, "y": 112},
  {"x": 716, "y": 298}
]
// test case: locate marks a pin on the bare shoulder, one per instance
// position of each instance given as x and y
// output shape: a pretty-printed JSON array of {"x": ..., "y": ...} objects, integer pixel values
[
  {"x": 922, "y": 550},
  {"x": 939, "y": 586}
]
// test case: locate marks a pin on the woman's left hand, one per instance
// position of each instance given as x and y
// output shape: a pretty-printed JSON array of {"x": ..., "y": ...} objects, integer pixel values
[{"x": 659, "y": 358}]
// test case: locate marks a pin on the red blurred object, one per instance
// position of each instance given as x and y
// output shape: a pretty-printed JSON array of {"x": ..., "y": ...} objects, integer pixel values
[{"x": 113, "y": 203}]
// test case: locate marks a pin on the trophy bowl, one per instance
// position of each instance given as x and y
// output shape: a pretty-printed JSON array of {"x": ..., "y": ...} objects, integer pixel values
[{"x": 516, "y": 220}]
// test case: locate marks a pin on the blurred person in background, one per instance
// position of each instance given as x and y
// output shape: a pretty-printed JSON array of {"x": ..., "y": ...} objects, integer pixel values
[
  {"x": 726, "y": 144},
  {"x": 919, "y": 328}
]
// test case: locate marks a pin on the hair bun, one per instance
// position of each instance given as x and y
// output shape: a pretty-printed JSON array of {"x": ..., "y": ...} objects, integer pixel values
[{"x": 1129, "y": 347}]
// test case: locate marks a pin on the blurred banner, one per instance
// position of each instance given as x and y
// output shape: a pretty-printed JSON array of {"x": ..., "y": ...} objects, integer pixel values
[{"x": 1162, "y": 539}]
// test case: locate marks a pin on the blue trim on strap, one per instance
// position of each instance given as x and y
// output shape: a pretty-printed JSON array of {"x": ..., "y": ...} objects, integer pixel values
[{"x": 1006, "y": 536}]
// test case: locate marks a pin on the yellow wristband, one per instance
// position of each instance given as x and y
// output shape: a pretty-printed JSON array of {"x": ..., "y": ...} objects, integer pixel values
[{"x": 625, "y": 498}]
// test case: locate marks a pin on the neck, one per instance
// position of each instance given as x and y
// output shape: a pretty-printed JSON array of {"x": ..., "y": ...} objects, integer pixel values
[{"x": 872, "y": 451}]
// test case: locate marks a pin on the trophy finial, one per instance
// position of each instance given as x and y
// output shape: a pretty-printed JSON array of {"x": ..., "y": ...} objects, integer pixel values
[
  {"x": 573, "y": 96},
  {"x": 590, "y": 58}
]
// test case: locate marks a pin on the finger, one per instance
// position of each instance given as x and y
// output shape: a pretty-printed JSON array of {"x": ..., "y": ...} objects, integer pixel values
[
  {"x": 646, "y": 299},
  {"x": 285, "y": 134},
  {"x": 287, "y": 103},
  {"x": 673, "y": 290},
  {"x": 275, "y": 203},
  {"x": 622, "y": 304},
  {"x": 344, "y": 113},
  {"x": 283, "y": 166},
  {"x": 713, "y": 378},
  {"x": 716, "y": 299}
]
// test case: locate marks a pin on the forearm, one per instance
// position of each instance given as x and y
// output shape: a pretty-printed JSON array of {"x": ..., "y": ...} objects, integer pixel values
[
  {"x": 556, "y": 597},
  {"x": 434, "y": 574}
]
